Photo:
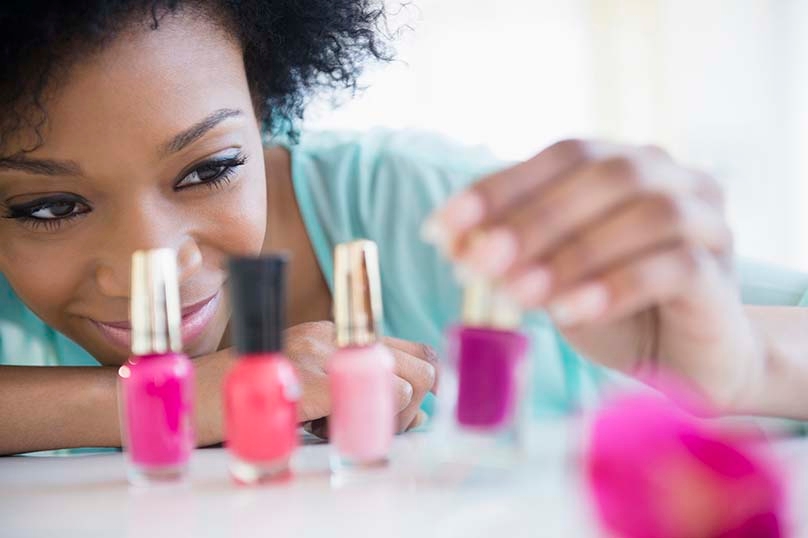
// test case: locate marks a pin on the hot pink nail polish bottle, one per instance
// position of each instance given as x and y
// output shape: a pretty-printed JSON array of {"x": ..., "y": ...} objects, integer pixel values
[
  {"x": 360, "y": 373},
  {"x": 156, "y": 385},
  {"x": 262, "y": 390},
  {"x": 489, "y": 358}
]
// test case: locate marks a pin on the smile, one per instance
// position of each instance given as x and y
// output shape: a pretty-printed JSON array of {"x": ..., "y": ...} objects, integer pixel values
[{"x": 195, "y": 319}]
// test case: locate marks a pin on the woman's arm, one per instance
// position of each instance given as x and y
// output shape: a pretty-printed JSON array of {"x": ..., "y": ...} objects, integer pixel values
[
  {"x": 47, "y": 408},
  {"x": 782, "y": 387},
  {"x": 631, "y": 255},
  {"x": 53, "y": 407}
]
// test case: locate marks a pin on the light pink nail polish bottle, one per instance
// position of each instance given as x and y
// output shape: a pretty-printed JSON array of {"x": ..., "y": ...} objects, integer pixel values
[
  {"x": 360, "y": 373},
  {"x": 156, "y": 384}
]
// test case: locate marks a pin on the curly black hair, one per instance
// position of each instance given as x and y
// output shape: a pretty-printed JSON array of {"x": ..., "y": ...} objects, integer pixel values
[{"x": 292, "y": 48}]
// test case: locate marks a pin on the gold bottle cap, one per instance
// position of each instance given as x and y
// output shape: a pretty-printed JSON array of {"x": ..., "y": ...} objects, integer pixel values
[
  {"x": 357, "y": 293},
  {"x": 155, "y": 303},
  {"x": 484, "y": 306}
]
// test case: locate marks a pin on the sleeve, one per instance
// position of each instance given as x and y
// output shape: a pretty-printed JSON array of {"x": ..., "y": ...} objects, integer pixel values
[
  {"x": 769, "y": 285},
  {"x": 25, "y": 340}
]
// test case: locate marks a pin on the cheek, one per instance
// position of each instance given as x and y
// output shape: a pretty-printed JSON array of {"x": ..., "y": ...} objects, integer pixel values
[
  {"x": 240, "y": 216},
  {"x": 29, "y": 267}
]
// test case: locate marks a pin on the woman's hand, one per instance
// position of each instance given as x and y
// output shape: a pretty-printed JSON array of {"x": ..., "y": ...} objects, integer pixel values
[
  {"x": 308, "y": 346},
  {"x": 628, "y": 251}
]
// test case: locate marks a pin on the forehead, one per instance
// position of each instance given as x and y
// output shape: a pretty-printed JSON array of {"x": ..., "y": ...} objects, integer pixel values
[{"x": 145, "y": 84}]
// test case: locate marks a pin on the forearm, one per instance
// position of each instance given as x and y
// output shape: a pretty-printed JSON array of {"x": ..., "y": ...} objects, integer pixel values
[
  {"x": 782, "y": 387},
  {"x": 211, "y": 371},
  {"x": 43, "y": 408}
]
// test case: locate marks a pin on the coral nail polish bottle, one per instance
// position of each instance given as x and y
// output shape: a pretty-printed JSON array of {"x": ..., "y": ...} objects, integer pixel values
[
  {"x": 156, "y": 384},
  {"x": 262, "y": 390},
  {"x": 489, "y": 356},
  {"x": 360, "y": 372}
]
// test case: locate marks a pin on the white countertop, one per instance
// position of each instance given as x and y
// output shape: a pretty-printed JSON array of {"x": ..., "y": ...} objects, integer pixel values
[{"x": 88, "y": 496}]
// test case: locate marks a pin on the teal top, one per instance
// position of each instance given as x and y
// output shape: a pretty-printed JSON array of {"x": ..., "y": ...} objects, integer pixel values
[{"x": 381, "y": 185}]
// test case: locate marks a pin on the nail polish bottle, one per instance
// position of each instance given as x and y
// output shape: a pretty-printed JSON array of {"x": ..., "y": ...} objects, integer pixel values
[
  {"x": 262, "y": 390},
  {"x": 156, "y": 384},
  {"x": 360, "y": 372},
  {"x": 489, "y": 357}
]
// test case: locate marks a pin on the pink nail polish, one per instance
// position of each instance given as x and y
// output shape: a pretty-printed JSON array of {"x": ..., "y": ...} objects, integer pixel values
[
  {"x": 360, "y": 372},
  {"x": 262, "y": 390},
  {"x": 492, "y": 253},
  {"x": 462, "y": 211},
  {"x": 530, "y": 287},
  {"x": 434, "y": 232},
  {"x": 156, "y": 385},
  {"x": 584, "y": 304},
  {"x": 489, "y": 356}
]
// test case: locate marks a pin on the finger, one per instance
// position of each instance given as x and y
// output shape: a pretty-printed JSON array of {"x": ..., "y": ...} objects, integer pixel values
[
  {"x": 420, "y": 419},
  {"x": 629, "y": 232},
  {"x": 499, "y": 191},
  {"x": 654, "y": 279},
  {"x": 318, "y": 427},
  {"x": 421, "y": 351},
  {"x": 315, "y": 402},
  {"x": 402, "y": 391},
  {"x": 420, "y": 375},
  {"x": 574, "y": 202}
]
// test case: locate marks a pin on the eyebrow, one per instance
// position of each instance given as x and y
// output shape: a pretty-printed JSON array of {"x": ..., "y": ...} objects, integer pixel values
[
  {"x": 53, "y": 167},
  {"x": 45, "y": 167},
  {"x": 196, "y": 131}
]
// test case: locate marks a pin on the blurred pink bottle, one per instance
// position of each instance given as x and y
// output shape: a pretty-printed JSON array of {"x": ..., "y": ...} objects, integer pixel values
[
  {"x": 489, "y": 358},
  {"x": 655, "y": 472},
  {"x": 156, "y": 384},
  {"x": 360, "y": 372}
]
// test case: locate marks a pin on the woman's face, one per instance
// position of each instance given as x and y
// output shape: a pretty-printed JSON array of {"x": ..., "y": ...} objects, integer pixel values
[{"x": 150, "y": 142}]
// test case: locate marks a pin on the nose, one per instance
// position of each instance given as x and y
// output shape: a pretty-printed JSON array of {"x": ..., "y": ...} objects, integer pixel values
[{"x": 112, "y": 272}]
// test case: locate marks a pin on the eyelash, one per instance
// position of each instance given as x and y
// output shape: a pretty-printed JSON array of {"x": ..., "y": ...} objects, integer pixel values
[
  {"x": 23, "y": 213},
  {"x": 228, "y": 166}
]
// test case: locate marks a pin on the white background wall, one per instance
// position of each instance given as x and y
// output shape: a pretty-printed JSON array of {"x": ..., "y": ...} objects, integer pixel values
[{"x": 721, "y": 83}]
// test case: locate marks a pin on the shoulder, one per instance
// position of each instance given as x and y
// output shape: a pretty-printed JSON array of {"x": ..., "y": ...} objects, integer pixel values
[
  {"x": 385, "y": 150},
  {"x": 363, "y": 175},
  {"x": 28, "y": 341},
  {"x": 23, "y": 338}
]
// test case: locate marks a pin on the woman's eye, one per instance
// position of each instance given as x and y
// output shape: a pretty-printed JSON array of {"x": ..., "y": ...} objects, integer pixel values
[
  {"x": 201, "y": 175},
  {"x": 212, "y": 173},
  {"x": 56, "y": 210}
]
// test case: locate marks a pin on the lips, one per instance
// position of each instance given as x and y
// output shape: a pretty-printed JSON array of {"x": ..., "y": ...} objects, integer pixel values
[{"x": 195, "y": 319}]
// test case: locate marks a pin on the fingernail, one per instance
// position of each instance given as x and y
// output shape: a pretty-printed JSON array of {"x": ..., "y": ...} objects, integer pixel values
[
  {"x": 462, "y": 211},
  {"x": 530, "y": 287},
  {"x": 464, "y": 274},
  {"x": 435, "y": 233},
  {"x": 318, "y": 427},
  {"x": 584, "y": 304},
  {"x": 492, "y": 253},
  {"x": 419, "y": 420}
]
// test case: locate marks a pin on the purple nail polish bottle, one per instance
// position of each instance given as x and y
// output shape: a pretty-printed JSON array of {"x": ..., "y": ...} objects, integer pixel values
[{"x": 489, "y": 356}]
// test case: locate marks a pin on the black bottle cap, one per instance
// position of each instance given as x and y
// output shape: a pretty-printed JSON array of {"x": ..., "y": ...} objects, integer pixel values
[{"x": 258, "y": 295}]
